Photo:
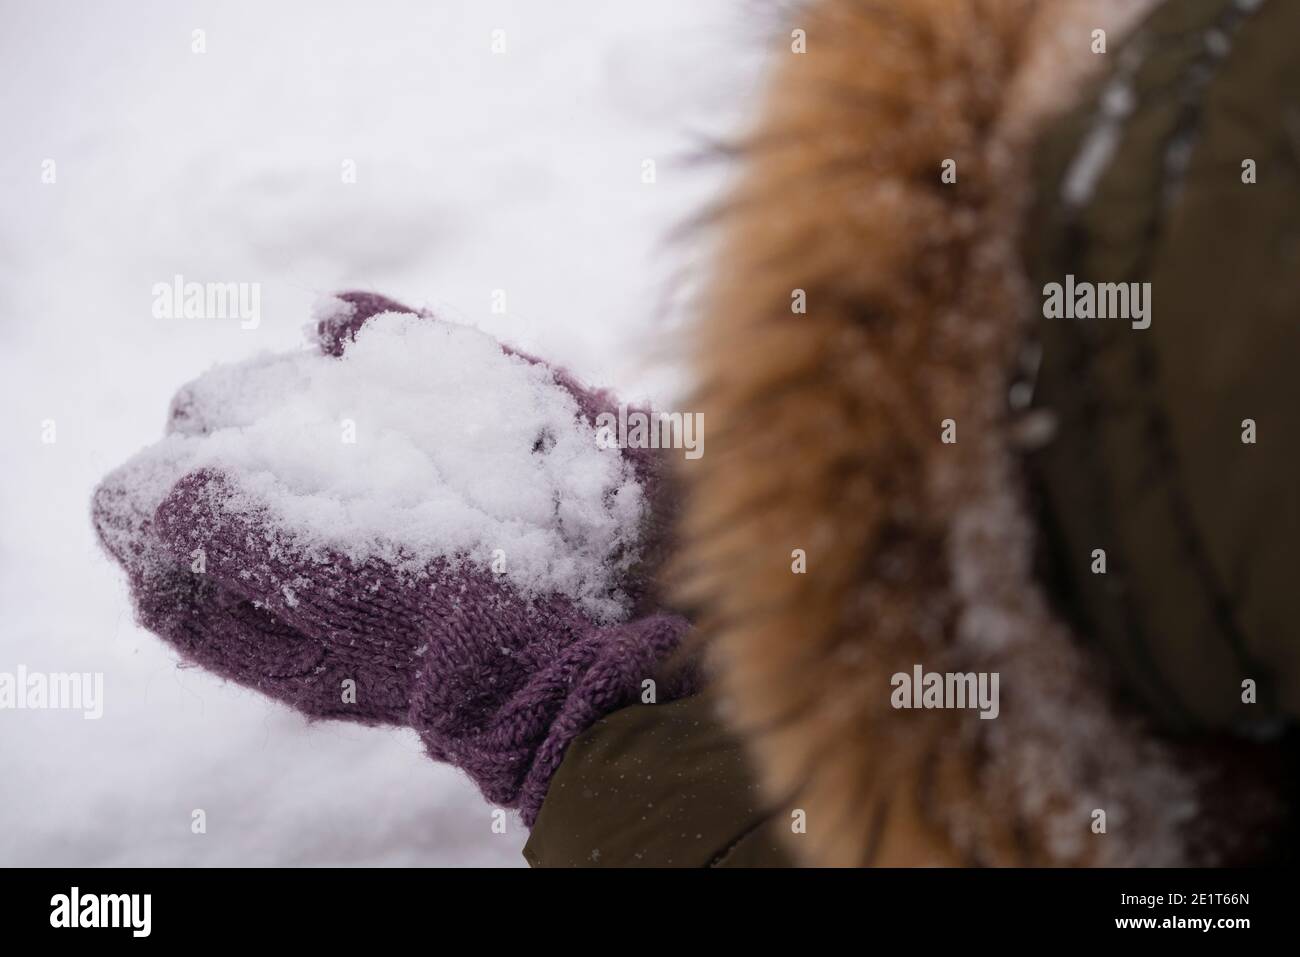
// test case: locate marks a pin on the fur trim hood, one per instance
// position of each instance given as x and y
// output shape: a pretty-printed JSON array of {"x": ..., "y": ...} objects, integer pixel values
[{"x": 826, "y": 437}]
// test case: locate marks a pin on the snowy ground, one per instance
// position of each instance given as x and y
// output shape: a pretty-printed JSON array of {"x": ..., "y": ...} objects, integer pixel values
[{"x": 475, "y": 172}]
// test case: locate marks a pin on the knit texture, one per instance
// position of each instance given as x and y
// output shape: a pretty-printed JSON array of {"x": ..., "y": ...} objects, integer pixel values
[{"x": 494, "y": 683}]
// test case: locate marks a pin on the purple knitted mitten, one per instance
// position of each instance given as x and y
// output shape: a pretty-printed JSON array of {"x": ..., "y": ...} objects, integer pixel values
[{"x": 495, "y": 682}]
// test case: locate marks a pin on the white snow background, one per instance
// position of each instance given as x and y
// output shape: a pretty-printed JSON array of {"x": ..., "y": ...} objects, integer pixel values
[{"x": 475, "y": 171}]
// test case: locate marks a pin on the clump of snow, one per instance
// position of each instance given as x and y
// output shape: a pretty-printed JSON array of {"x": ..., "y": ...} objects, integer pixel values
[{"x": 424, "y": 440}]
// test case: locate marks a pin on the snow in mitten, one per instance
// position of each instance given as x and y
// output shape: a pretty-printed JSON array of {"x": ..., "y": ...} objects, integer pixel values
[{"x": 406, "y": 524}]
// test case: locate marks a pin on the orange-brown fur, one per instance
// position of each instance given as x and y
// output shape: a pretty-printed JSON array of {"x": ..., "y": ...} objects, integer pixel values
[{"x": 824, "y": 435}]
